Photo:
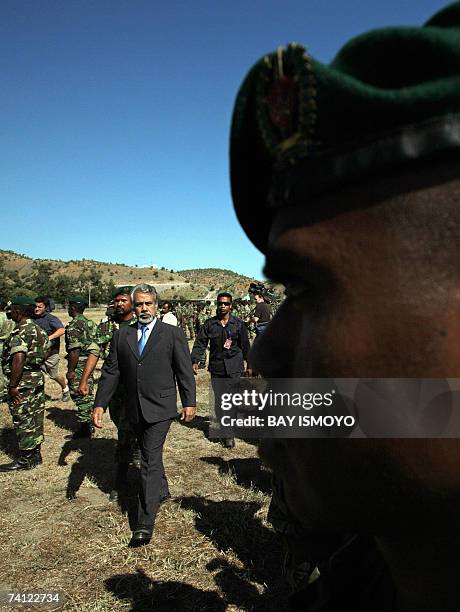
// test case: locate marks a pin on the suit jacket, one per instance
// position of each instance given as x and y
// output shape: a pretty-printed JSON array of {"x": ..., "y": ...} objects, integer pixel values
[{"x": 149, "y": 379}]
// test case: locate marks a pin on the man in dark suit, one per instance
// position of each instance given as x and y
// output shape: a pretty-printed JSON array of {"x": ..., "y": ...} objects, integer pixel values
[{"x": 148, "y": 358}]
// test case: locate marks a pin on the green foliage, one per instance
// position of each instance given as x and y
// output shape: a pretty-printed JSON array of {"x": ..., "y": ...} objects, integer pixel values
[
  {"x": 21, "y": 274},
  {"x": 42, "y": 278}
]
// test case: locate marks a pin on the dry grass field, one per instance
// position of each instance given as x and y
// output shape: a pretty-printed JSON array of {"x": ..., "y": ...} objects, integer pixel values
[{"x": 212, "y": 549}]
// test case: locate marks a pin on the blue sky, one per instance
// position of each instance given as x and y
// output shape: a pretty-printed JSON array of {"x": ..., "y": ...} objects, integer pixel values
[{"x": 115, "y": 118}]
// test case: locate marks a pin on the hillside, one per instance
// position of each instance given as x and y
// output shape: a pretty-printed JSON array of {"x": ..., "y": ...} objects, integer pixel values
[
  {"x": 119, "y": 273},
  {"x": 218, "y": 279},
  {"x": 60, "y": 278}
]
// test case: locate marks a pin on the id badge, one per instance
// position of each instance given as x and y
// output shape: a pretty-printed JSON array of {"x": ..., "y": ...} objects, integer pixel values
[{"x": 228, "y": 343}]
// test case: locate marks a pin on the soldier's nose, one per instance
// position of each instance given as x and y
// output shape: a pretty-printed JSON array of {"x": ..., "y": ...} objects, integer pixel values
[{"x": 273, "y": 353}]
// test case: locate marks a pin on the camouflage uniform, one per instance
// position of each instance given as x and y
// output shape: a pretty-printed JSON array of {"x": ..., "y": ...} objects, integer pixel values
[
  {"x": 202, "y": 316},
  {"x": 80, "y": 333},
  {"x": 6, "y": 327},
  {"x": 28, "y": 338},
  {"x": 189, "y": 317},
  {"x": 246, "y": 313},
  {"x": 104, "y": 333},
  {"x": 180, "y": 316},
  {"x": 126, "y": 435}
]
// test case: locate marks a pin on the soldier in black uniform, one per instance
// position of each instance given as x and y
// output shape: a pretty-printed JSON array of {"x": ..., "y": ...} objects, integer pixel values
[{"x": 228, "y": 349}]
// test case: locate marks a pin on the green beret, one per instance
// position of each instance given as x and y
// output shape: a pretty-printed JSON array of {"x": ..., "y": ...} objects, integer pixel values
[
  {"x": 388, "y": 102},
  {"x": 126, "y": 290},
  {"x": 22, "y": 300},
  {"x": 77, "y": 299}
]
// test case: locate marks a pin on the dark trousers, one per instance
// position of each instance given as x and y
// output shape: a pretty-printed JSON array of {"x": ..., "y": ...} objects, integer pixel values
[
  {"x": 224, "y": 383},
  {"x": 153, "y": 486}
]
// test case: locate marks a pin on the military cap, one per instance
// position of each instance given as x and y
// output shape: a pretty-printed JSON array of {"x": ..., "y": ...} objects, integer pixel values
[
  {"x": 387, "y": 103},
  {"x": 77, "y": 299},
  {"x": 22, "y": 300},
  {"x": 125, "y": 290}
]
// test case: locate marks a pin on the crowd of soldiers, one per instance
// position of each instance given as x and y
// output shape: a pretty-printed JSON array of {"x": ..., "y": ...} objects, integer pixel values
[
  {"x": 191, "y": 315},
  {"x": 26, "y": 344}
]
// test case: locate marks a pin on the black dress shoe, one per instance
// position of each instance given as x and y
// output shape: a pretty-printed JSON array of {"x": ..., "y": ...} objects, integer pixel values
[{"x": 140, "y": 537}]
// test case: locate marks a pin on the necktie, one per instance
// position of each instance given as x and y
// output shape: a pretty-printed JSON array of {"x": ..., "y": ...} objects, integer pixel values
[{"x": 143, "y": 339}]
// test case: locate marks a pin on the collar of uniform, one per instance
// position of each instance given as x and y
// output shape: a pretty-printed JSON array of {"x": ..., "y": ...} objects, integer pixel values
[
  {"x": 24, "y": 322},
  {"x": 231, "y": 319}
]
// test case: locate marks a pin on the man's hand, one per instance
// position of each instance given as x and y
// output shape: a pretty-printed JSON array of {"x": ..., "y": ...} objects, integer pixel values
[
  {"x": 83, "y": 388},
  {"x": 97, "y": 416},
  {"x": 195, "y": 367},
  {"x": 188, "y": 413},
  {"x": 13, "y": 392},
  {"x": 70, "y": 376}
]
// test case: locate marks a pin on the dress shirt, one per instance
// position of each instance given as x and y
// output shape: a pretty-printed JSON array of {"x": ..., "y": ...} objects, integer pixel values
[{"x": 149, "y": 327}]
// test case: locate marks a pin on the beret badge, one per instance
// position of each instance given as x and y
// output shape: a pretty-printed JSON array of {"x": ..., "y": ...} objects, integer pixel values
[{"x": 286, "y": 103}]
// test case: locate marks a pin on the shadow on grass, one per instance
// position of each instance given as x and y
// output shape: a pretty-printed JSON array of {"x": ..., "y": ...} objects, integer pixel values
[
  {"x": 64, "y": 418},
  {"x": 234, "y": 525},
  {"x": 145, "y": 594},
  {"x": 201, "y": 423},
  {"x": 8, "y": 442},
  {"x": 247, "y": 473},
  {"x": 95, "y": 461}
]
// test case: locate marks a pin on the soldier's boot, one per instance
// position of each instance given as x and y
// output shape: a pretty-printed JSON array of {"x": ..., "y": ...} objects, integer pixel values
[
  {"x": 228, "y": 442},
  {"x": 85, "y": 430},
  {"x": 137, "y": 457},
  {"x": 121, "y": 477},
  {"x": 27, "y": 460},
  {"x": 37, "y": 456}
]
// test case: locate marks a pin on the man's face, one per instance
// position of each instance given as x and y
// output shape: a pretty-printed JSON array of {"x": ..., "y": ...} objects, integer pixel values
[
  {"x": 145, "y": 307},
  {"x": 258, "y": 298},
  {"x": 224, "y": 306},
  {"x": 359, "y": 304},
  {"x": 165, "y": 308},
  {"x": 122, "y": 305},
  {"x": 16, "y": 313},
  {"x": 40, "y": 309}
]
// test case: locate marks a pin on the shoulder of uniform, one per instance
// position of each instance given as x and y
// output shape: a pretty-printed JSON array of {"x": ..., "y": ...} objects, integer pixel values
[
  {"x": 122, "y": 330},
  {"x": 29, "y": 326}
]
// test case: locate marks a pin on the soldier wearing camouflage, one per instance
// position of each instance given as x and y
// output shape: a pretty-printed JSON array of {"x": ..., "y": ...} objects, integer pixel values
[
  {"x": 23, "y": 356},
  {"x": 79, "y": 336},
  {"x": 6, "y": 327},
  {"x": 127, "y": 449},
  {"x": 104, "y": 334},
  {"x": 201, "y": 318},
  {"x": 189, "y": 320}
]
